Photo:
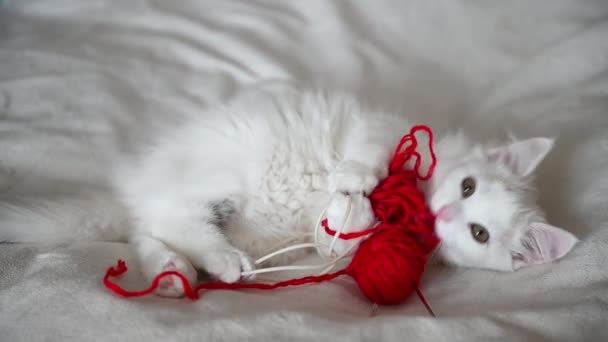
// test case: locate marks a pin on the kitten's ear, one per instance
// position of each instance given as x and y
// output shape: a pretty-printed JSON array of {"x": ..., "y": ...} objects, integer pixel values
[
  {"x": 522, "y": 157},
  {"x": 542, "y": 243}
]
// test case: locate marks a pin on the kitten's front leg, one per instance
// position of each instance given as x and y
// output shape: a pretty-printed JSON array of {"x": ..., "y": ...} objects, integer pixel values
[
  {"x": 365, "y": 163},
  {"x": 353, "y": 177},
  {"x": 350, "y": 183},
  {"x": 189, "y": 233},
  {"x": 360, "y": 217},
  {"x": 363, "y": 166},
  {"x": 365, "y": 149},
  {"x": 207, "y": 248},
  {"x": 155, "y": 257}
]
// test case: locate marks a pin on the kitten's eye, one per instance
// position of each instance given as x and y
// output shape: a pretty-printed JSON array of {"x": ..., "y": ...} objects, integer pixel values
[
  {"x": 468, "y": 187},
  {"x": 479, "y": 233}
]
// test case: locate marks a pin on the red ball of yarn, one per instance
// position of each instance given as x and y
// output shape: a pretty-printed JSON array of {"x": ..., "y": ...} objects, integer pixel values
[{"x": 387, "y": 266}]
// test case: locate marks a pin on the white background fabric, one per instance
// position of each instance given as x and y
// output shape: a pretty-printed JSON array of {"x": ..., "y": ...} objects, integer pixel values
[{"x": 83, "y": 81}]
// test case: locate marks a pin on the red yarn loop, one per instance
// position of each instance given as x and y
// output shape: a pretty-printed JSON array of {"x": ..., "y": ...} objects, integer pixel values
[
  {"x": 388, "y": 265},
  {"x": 193, "y": 293}
]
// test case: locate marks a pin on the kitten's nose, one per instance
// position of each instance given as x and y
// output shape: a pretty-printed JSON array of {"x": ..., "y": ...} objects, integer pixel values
[{"x": 445, "y": 214}]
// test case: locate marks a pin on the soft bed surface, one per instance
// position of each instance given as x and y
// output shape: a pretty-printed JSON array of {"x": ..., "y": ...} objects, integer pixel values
[{"x": 83, "y": 82}]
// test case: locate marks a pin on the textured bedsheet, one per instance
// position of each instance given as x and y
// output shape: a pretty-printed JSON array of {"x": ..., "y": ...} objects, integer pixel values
[{"x": 83, "y": 82}]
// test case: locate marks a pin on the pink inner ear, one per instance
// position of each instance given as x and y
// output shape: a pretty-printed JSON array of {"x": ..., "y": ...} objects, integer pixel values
[{"x": 541, "y": 244}]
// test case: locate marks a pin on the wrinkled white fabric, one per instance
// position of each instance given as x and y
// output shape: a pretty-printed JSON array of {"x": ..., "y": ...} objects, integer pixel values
[{"x": 82, "y": 82}]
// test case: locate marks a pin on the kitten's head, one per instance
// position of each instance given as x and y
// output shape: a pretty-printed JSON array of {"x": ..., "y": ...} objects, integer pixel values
[{"x": 485, "y": 203}]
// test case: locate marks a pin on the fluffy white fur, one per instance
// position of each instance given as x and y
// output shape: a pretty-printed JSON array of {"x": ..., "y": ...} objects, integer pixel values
[{"x": 227, "y": 185}]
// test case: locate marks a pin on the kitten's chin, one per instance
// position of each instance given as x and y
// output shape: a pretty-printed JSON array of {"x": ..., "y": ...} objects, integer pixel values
[
  {"x": 444, "y": 261},
  {"x": 438, "y": 261},
  {"x": 437, "y": 258}
]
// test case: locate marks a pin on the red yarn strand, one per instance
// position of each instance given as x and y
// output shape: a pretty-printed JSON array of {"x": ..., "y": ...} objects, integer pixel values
[
  {"x": 424, "y": 302},
  {"x": 121, "y": 268},
  {"x": 403, "y": 156},
  {"x": 191, "y": 293},
  {"x": 346, "y": 236}
]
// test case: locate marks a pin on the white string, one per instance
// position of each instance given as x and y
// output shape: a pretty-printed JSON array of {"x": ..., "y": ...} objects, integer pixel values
[
  {"x": 285, "y": 242},
  {"x": 318, "y": 225},
  {"x": 284, "y": 250},
  {"x": 321, "y": 217},
  {"x": 331, "y": 255},
  {"x": 329, "y": 264},
  {"x": 344, "y": 223}
]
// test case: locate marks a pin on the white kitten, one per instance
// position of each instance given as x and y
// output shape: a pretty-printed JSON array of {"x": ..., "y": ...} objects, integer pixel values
[{"x": 235, "y": 180}]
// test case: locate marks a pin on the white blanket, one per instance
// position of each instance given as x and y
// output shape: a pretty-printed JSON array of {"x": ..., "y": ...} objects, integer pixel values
[{"x": 83, "y": 81}]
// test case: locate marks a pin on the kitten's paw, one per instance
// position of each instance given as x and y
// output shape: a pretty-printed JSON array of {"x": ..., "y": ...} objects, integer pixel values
[
  {"x": 361, "y": 214},
  {"x": 359, "y": 218},
  {"x": 171, "y": 286},
  {"x": 351, "y": 177},
  {"x": 227, "y": 265}
]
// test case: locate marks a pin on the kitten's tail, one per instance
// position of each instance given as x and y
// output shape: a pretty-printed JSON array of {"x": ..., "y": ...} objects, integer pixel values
[{"x": 88, "y": 217}]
